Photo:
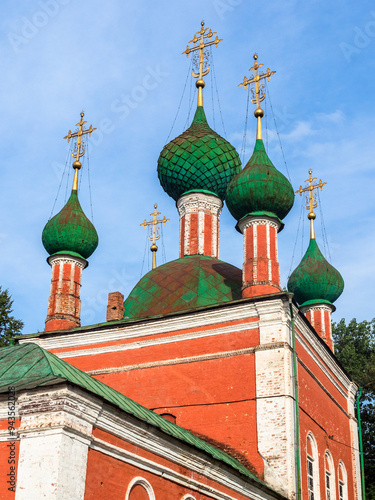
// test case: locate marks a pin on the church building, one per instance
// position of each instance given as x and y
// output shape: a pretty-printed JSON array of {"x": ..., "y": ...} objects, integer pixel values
[{"x": 207, "y": 381}]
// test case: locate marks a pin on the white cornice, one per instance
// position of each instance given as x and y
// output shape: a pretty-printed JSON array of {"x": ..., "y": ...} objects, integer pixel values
[
  {"x": 159, "y": 341},
  {"x": 187, "y": 321}
]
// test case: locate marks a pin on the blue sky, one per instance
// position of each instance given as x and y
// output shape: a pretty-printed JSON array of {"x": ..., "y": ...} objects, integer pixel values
[{"x": 121, "y": 62}]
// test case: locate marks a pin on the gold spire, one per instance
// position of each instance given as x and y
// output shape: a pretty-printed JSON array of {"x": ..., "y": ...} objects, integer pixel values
[
  {"x": 311, "y": 199},
  {"x": 200, "y": 42},
  {"x": 79, "y": 149},
  {"x": 154, "y": 230},
  {"x": 259, "y": 95}
]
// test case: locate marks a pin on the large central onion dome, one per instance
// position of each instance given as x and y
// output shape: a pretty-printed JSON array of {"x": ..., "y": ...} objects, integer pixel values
[
  {"x": 184, "y": 284},
  {"x": 259, "y": 188},
  {"x": 70, "y": 231},
  {"x": 198, "y": 160},
  {"x": 315, "y": 280}
]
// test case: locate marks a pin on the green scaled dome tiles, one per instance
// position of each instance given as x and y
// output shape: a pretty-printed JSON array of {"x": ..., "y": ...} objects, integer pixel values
[
  {"x": 259, "y": 187},
  {"x": 70, "y": 231},
  {"x": 315, "y": 280},
  {"x": 184, "y": 284},
  {"x": 198, "y": 160}
]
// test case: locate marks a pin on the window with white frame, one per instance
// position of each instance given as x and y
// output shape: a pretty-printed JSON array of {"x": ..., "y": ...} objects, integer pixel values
[
  {"x": 329, "y": 476},
  {"x": 140, "y": 484},
  {"x": 312, "y": 464},
  {"x": 310, "y": 477},
  {"x": 343, "y": 488}
]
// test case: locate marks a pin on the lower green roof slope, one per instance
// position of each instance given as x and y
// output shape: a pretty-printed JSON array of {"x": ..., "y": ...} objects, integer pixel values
[
  {"x": 183, "y": 284},
  {"x": 27, "y": 366}
]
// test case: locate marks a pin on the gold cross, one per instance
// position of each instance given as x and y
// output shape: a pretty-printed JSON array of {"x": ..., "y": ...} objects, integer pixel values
[
  {"x": 79, "y": 149},
  {"x": 259, "y": 94},
  {"x": 154, "y": 223},
  {"x": 200, "y": 42},
  {"x": 311, "y": 199}
]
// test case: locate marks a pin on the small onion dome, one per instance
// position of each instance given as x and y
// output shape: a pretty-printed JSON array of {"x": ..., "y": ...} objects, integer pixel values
[
  {"x": 199, "y": 160},
  {"x": 315, "y": 280},
  {"x": 259, "y": 188},
  {"x": 70, "y": 231},
  {"x": 184, "y": 284}
]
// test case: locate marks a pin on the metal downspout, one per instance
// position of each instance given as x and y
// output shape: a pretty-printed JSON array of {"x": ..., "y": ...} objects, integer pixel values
[
  {"x": 359, "y": 394},
  {"x": 296, "y": 400}
]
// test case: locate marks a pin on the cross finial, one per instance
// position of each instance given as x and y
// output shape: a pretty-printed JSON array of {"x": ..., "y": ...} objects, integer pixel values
[
  {"x": 311, "y": 201},
  {"x": 154, "y": 231},
  {"x": 258, "y": 95},
  {"x": 79, "y": 147},
  {"x": 201, "y": 40}
]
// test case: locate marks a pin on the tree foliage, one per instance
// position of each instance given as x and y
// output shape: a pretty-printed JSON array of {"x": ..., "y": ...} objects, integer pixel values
[
  {"x": 355, "y": 349},
  {"x": 9, "y": 325}
]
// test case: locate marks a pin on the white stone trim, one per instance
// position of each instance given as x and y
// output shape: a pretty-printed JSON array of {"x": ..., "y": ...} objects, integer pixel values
[
  {"x": 159, "y": 341},
  {"x": 178, "y": 361},
  {"x": 256, "y": 220},
  {"x": 55, "y": 433},
  {"x": 151, "y": 439},
  {"x": 188, "y": 321},
  {"x": 193, "y": 202},
  {"x": 142, "y": 482},
  {"x": 67, "y": 259}
]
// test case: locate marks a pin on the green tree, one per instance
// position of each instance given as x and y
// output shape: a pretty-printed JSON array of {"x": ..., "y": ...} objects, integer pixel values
[
  {"x": 355, "y": 349},
  {"x": 9, "y": 326}
]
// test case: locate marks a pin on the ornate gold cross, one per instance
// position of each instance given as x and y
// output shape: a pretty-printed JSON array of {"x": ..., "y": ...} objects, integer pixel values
[
  {"x": 154, "y": 230},
  {"x": 79, "y": 149},
  {"x": 259, "y": 94},
  {"x": 311, "y": 202},
  {"x": 200, "y": 42}
]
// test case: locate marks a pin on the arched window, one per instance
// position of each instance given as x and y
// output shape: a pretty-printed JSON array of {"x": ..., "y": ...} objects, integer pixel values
[
  {"x": 312, "y": 463},
  {"x": 187, "y": 497},
  {"x": 343, "y": 485},
  {"x": 139, "y": 489},
  {"x": 329, "y": 472}
]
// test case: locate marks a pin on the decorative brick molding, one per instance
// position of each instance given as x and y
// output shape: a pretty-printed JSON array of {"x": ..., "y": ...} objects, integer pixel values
[
  {"x": 64, "y": 303},
  {"x": 199, "y": 224},
  {"x": 261, "y": 271},
  {"x": 319, "y": 316}
]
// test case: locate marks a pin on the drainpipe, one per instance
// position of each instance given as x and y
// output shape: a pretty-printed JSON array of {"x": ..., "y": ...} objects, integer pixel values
[
  {"x": 359, "y": 394},
  {"x": 295, "y": 376}
]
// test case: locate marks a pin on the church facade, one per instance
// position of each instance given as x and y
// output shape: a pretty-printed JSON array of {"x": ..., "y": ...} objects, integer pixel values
[{"x": 207, "y": 381}]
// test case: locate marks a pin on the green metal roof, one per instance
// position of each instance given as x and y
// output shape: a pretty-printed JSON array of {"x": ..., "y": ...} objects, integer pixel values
[
  {"x": 27, "y": 366},
  {"x": 315, "y": 280},
  {"x": 198, "y": 160},
  {"x": 70, "y": 231},
  {"x": 187, "y": 283},
  {"x": 259, "y": 187}
]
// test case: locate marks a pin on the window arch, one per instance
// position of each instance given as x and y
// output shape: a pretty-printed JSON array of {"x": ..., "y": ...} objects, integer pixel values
[
  {"x": 139, "y": 486},
  {"x": 329, "y": 473},
  {"x": 187, "y": 497},
  {"x": 312, "y": 464},
  {"x": 343, "y": 484}
]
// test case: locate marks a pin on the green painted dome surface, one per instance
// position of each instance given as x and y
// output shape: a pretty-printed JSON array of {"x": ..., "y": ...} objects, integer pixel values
[
  {"x": 70, "y": 231},
  {"x": 315, "y": 280},
  {"x": 184, "y": 284},
  {"x": 259, "y": 187},
  {"x": 198, "y": 160}
]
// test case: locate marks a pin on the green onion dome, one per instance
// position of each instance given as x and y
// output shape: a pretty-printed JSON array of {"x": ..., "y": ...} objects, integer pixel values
[
  {"x": 70, "y": 231},
  {"x": 199, "y": 160},
  {"x": 259, "y": 188},
  {"x": 184, "y": 284},
  {"x": 315, "y": 280}
]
